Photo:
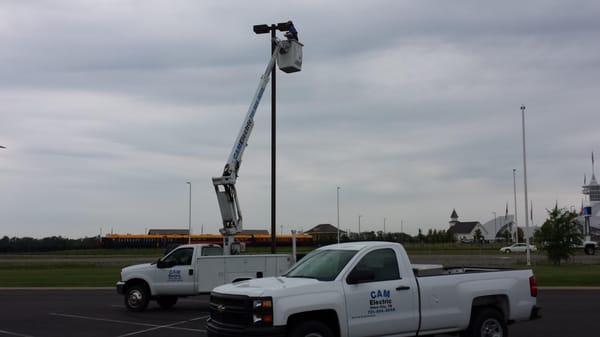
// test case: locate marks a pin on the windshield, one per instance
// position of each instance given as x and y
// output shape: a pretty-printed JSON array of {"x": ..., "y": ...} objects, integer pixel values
[{"x": 323, "y": 265}]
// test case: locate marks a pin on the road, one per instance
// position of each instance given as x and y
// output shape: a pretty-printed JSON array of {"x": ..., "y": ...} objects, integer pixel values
[{"x": 100, "y": 313}]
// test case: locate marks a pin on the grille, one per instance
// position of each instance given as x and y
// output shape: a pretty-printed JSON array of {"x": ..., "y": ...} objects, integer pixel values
[{"x": 238, "y": 309}]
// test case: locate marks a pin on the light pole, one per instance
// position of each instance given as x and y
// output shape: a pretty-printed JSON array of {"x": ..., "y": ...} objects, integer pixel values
[
  {"x": 516, "y": 230},
  {"x": 359, "y": 216},
  {"x": 190, "y": 215},
  {"x": 525, "y": 186},
  {"x": 338, "y": 214},
  {"x": 384, "y": 219},
  {"x": 265, "y": 29},
  {"x": 495, "y": 226}
]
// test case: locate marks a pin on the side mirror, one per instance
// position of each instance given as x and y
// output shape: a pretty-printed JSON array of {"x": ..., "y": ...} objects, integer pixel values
[{"x": 360, "y": 276}]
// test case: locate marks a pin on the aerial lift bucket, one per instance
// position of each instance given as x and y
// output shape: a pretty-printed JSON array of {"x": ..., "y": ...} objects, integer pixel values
[{"x": 289, "y": 59}]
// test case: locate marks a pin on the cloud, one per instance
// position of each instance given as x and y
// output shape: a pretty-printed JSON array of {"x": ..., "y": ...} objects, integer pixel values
[{"x": 411, "y": 107}]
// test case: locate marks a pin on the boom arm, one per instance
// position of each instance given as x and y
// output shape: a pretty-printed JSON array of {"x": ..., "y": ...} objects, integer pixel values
[{"x": 225, "y": 185}]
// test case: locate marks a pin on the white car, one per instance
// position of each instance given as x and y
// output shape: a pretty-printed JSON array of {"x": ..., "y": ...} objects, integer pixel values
[
  {"x": 363, "y": 289},
  {"x": 517, "y": 248}
]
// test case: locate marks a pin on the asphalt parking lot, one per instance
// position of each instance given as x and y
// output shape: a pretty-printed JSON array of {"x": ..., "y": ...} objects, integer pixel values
[{"x": 49, "y": 313}]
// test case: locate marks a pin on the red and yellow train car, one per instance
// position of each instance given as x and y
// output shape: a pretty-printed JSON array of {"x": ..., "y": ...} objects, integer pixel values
[{"x": 161, "y": 241}]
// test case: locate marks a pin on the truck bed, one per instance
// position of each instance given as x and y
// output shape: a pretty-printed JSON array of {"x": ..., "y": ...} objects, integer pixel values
[{"x": 421, "y": 270}]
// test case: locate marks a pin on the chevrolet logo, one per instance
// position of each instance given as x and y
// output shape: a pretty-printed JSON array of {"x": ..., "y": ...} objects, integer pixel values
[{"x": 220, "y": 308}]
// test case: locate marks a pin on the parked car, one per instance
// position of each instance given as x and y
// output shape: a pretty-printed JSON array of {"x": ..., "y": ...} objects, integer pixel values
[
  {"x": 371, "y": 289},
  {"x": 517, "y": 248}
]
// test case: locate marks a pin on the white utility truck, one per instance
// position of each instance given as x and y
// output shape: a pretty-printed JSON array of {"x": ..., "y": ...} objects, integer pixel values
[
  {"x": 194, "y": 269},
  {"x": 371, "y": 289},
  {"x": 191, "y": 270}
]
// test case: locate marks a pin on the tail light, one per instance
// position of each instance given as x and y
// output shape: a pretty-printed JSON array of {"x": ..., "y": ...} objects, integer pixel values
[{"x": 533, "y": 286}]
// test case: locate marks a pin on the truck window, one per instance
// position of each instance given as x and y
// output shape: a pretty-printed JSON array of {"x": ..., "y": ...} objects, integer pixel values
[
  {"x": 212, "y": 251},
  {"x": 323, "y": 265},
  {"x": 180, "y": 257},
  {"x": 382, "y": 262}
]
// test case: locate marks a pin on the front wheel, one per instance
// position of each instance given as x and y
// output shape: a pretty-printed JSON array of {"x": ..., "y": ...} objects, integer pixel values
[
  {"x": 487, "y": 322},
  {"x": 166, "y": 302},
  {"x": 507, "y": 251},
  {"x": 136, "y": 298},
  {"x": 311, "y": 329}
]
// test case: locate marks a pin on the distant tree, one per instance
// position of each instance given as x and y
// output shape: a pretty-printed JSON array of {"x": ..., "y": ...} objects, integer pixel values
[
  {"x": 420, "y": 236},
  {"x": 559, "y": 234},
  {"x": 478, "y": 236}
]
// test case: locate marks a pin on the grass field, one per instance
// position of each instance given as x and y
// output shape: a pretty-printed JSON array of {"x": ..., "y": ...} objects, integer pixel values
[
  {"x": 78, "y": 274},
  {"x": 100, "y": 267}
]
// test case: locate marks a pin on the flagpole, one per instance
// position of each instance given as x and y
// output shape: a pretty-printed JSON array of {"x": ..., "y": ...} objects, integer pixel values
[
  {"x": 516, "y": 230},
  {"x": 525, "y": 186}
]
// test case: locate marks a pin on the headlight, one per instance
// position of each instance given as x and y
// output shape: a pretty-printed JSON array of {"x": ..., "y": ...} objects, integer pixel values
[{"x": 262, "y": 311}]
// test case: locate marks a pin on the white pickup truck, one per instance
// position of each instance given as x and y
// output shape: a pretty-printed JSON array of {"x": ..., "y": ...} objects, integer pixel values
[
  {"x": 192, "y": 270},
  {"x": 371, "y": 289}
]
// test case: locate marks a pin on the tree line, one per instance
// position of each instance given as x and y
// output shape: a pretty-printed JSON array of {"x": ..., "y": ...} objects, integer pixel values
[{"x": 28, "y": 244}]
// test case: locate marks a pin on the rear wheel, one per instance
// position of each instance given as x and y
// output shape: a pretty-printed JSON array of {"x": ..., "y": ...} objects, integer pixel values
[
  {"x": 137, "y": 297},
  {"x": 487, "y": 322},
  {"x": 166, "y": 302},
  {"x": 311, "y": 329},
  {"x": 507, "y": 251}
]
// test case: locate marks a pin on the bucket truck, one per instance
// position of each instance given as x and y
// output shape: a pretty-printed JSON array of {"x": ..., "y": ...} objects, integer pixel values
[{"x": 196, "y": 269}]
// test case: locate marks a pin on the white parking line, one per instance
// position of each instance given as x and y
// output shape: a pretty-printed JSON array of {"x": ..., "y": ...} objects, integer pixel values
[
  {"x": 132, "y": 323},
  {"x": 163, "y": 326},
  {"x": 13, "y": 333}
]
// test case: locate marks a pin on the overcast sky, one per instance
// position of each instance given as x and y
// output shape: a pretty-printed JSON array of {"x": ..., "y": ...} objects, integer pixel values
[{"x": 412, "y": 107}]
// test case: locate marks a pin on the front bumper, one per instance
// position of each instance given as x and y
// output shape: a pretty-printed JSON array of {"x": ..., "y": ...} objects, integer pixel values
[
  {"x": 120, "y": 287},
  {"x": 216, "y": 329},
  {"x": 535, "y": 313}
]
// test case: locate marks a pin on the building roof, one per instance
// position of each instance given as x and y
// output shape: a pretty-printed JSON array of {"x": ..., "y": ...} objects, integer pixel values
[
  {"x": 495, "y": 226},
  {"x": 464, "y": 227},
  {"x": 168, "y": 232},
  {"x": 453, "y": 215},
  {"x": 324, "y": 228}
]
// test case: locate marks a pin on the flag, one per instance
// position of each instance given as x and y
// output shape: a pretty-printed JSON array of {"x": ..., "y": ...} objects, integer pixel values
[
  {"x": 584, "y": 179},
  {"x": 531, "y": 211}
]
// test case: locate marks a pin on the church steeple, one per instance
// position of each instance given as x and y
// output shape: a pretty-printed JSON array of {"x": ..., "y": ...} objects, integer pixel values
[{"x": 453, "y": 218}]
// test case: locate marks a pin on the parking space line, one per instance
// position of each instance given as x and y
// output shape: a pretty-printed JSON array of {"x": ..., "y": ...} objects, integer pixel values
[
  {"x": 172, "y": 325},
  {"x": 13, "y": 334},
  {"x": 129, "y": 322}
]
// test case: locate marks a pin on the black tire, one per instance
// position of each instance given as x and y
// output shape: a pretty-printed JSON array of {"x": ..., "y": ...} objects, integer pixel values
[
  {"x": 486, "y": 322},
  {"x": 590, "y": 250},
  {"x": 311, "y": 329},
  {"x": 137, "y": 297},
  {"x": 166, "y": 302}
]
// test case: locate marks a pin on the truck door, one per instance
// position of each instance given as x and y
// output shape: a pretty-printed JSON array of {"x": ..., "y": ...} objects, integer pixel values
[
  {"x": 176, "y": 275},
  {"x": 387, "y": 304}
]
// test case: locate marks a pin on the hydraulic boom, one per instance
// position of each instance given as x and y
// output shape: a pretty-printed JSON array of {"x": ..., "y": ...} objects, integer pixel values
[{"x": 289, "y": 54}]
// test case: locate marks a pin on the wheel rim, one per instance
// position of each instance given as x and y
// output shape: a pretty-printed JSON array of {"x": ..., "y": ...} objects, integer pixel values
[
  {"x": 491, "y": 328},
  {"x": 134, "y": 299}
]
